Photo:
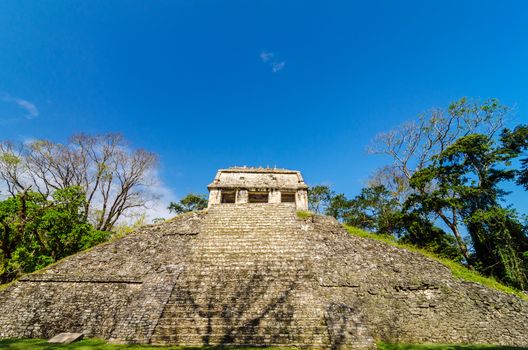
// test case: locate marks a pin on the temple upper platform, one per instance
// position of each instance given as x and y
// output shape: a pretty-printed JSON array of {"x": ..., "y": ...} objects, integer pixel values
[{"x": 258, "y": 185}]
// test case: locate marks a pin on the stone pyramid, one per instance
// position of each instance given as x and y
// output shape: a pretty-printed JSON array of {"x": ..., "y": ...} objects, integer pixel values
[{"x": 256, "y": 274}]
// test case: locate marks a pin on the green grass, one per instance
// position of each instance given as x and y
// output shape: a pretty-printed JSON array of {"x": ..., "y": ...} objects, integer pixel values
[
  {"x": 94, "y": 344},
  {"x": 98, "y": 344},
  {"x": 304, "y": 214},
  {"x": 5, "y": 285},
  {"x": 387, "y": 346},
  {"x": 456, "y": 269}
]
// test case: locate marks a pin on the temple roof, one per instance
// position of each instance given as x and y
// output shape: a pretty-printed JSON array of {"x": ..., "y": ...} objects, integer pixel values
[{"x": 251, "y": 177}]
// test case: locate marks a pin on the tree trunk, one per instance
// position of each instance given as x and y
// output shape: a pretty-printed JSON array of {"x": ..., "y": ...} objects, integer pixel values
[{"x": 460, "y": 241}]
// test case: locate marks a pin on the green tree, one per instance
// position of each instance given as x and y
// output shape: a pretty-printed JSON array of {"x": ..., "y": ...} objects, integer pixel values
[
  {"x": 418, "y": 230},
  {"x": 35, "y": 231},
  {"x": 338, "y": 206},
  {"x": 375, "y": 210},
  {"x": 461, "y": 186},
  {"x": 191, "y": 202},
  {"x": 501, "y": 245},
  {"x": 516, "y": 141},
  {"x": 319, "y": 198}
]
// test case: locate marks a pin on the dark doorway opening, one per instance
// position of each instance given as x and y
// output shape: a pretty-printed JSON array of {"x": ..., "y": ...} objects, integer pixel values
[
  {"x": 288, "y": 197},
  {"x": 228, "y": 197},
  {"x": 258, "y": 197}
]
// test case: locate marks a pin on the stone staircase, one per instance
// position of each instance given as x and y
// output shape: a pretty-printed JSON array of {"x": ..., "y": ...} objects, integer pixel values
[{"x": 247, "y": 282}]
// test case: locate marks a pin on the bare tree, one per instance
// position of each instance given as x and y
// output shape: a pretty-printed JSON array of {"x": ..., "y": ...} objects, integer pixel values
[
  {"x": 393, "y": 180},
  {"x": 11, "y": 167},
  {"x": 114, "y": 177},
  {"x": 413, "y": 144}
]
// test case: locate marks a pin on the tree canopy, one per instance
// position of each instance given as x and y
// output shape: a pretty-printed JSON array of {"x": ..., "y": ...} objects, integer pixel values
[
  {"x": 191, "y": 202},
  {"x": 36, "y": 231},
  {"x": 114, "y": 178}
]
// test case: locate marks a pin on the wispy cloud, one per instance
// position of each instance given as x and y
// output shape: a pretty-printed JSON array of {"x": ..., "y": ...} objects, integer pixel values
[
  {"x": 268, "y": 58},
  {"x": 277, "y": 66},
  {"x": 158, "y": 208},
  {"x": 30, "y": 109}
]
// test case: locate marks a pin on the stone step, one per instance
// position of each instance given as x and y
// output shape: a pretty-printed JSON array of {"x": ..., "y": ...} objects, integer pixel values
[
  {"x": 177, "y": 319},
  {"x": 248, "y": 238},
  {"x": 265, "y": 244},
  {"x": 258, "y": 282},
  {"x": 259, "y": 260},
  {"x": 252, "y": 339},
  {"x": 246, "y": 263},
  {"x": 202, "y": 299},
  {"x": 211, "y": 266},
  {"x": 322, "y": 343},
  {"x": 256, "y": 258},
  {"x": 303, "y": 322},
  {"x": 206, "y": 277},
  {"x": 265, "y": 274},
  {"x": 232, "y": 230},
  {"x": 280, "y": 267},
  {"x": 232, "y": 246}
]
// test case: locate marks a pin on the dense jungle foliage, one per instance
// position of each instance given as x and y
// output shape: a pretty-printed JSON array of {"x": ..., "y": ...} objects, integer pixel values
[{"x": 36, "y": 231}]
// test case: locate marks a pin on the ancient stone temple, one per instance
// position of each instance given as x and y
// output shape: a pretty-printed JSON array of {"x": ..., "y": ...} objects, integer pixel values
[
  {"x": 243, "y": 185},
  {"x": 254, "y": 273}
]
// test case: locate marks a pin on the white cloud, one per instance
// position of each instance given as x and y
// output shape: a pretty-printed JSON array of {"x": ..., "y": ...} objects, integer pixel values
[
  {"x": 157, "y": 208},
  {"x": 277, "y": 66},
  {"x": 266, "y": 56},
  {"x": 31, "y": 110}
]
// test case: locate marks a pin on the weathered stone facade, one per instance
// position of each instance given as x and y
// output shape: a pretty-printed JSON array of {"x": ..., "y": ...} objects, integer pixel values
[
  {"x": 242, "y": 185},
  {"x": 256, "y": 274}
]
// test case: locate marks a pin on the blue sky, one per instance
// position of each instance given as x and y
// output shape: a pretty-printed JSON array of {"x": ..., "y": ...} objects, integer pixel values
[{"x": 211, "y": 84}]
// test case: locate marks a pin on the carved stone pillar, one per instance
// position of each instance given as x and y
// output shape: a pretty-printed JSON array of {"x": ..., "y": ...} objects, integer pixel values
[
  {"x": 215, "y": 197},
  {"x": 301, "y": 199},
  {"x": 241, "y": 197},
  {"x": 274, "y": 196}
]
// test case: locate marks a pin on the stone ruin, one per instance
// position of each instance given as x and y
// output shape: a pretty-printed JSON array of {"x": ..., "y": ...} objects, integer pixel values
[
  {"x": 243, "y": 185},
  {"x": 254, "y": 273}
]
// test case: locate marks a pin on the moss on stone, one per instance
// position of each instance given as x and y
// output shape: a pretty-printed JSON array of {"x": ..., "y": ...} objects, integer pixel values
[
  {"x": 303, "y": 214},
  {"x": 389, "y": 346}
]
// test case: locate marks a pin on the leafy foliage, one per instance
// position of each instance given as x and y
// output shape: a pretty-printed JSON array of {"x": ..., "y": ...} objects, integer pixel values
[
  {"x": 35, "y": 231},
  {"x": 464, "y": 181},
  {"x": 319, "y": 198},
  {"x": 421, "y": 232},
  {"x": 375, "y": 210},
  {"x": 191, "y": 202},
  {"x": 516, "y": 142}
]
